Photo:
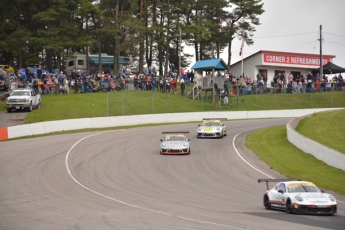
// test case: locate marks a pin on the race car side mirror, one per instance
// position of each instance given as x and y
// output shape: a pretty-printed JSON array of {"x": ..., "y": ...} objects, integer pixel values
[
  {"x": 187, "y": 139},
  {"x": 199, "y": 125},
  {"x": 322, "y": 191},
  {"x": 281, "y": 191}
]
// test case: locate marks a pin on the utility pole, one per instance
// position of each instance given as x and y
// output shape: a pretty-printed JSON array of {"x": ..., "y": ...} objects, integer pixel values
[
  {"x": 179, "y": 58},
  {"x": 321, "y": 62}
]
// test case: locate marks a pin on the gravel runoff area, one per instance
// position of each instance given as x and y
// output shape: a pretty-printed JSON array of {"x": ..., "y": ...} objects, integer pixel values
[{"x": 12, "y": 119}]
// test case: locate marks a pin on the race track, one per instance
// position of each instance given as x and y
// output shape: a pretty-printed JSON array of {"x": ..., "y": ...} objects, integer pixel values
[{"x": 118, "y": 180}]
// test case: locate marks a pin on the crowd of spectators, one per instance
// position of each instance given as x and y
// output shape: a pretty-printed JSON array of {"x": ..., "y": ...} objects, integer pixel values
[{"x": 87, "y": 81}]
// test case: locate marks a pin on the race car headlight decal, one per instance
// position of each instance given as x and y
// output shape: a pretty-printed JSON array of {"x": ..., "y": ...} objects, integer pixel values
[
  {"x": 200, "y": 129},
  {"x": 219, "y": 128},
  {"x": 163, "y": 144},
  {"x": 332, "y": 198},
  {"x": 299, "y": 198}
]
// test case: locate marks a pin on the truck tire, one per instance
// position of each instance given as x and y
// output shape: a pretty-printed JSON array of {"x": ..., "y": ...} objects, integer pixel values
[
  {"x": 30, "y": 108},
  {"x": 9, "y": 110}
]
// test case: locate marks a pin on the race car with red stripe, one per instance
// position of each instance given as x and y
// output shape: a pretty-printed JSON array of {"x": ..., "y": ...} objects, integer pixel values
[
  {"x": 296, "y": 196},
  {"x": 175, "y": 143}
]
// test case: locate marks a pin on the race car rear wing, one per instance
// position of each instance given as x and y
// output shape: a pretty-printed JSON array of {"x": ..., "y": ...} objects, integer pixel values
[
  {"x": 276, "y": 180},
  {"x": 222, "y": 119},
  {"x": 175, "y": 132}
]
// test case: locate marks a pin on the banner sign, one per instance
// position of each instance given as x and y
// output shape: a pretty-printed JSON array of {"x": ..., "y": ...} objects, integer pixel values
[{"x": 294, "y": 60}]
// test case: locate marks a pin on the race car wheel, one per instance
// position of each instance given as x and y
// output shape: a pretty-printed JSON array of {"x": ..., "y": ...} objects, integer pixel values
[
  {"x": 189, "y": 151},
  {"x": 267, "y": 203},
  {"x": 289, "y": 207}
]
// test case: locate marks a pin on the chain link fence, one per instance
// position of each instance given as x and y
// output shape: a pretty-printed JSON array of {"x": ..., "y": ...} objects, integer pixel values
[{"x": 133, "y": 102}]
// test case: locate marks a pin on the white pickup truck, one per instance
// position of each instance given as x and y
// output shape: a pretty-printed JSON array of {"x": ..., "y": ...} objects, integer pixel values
[{"x": 21, "y": 99}]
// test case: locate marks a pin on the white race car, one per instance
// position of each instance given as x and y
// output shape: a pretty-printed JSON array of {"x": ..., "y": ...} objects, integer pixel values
[
  {"x": 295, "y": 196},
  {"x": 212, "y": 127},
  {"x": 175, "y": 143}
]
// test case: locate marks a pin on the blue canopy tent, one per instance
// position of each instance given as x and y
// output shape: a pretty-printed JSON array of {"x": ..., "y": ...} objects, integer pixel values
[
  {"x": 216, "y": 64},
  {"x": 210, "y": 65}
]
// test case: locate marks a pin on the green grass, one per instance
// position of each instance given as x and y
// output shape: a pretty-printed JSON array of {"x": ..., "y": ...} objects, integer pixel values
[
  {"x": 272, "y": 146},
  {"x": 325, "y": 128},
  {"x": 68, "y": 106}
]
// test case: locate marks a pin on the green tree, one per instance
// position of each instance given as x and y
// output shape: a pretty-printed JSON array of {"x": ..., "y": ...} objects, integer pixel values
[{"x": 241, "y": 21}]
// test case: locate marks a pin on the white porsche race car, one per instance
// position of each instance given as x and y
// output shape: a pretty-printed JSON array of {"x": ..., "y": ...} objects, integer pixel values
[
  {"x": 295, "y": 196},
  {"x": 175, "y": 143},
  {"x": 212, "y": 127}
]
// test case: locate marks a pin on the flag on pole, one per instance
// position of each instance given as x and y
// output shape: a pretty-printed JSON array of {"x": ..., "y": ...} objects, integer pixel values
[{"x": 241, "y": 47}]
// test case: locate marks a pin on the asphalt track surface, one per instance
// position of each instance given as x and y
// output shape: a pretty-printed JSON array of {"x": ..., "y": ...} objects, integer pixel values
[{"x": 118, "y": 180}]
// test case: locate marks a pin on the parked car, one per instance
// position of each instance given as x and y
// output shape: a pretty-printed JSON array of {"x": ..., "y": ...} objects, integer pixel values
[
  {"x": 23, "y": 99},
  {"x": 7, "y": 68}
]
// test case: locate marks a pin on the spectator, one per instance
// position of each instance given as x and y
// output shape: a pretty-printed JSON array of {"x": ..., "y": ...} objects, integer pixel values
[
  {"x": 136, "y": 85},
  {"x": 329, "y": 85},
  {"x": 76, "y": 86},
  {"x": 323, "y": 86},
  {"x": 226, "y": 83},
  {"x": 2, "y": 75},
  {"x": 317, "y": 86},
  {"x": 161, "y": 85},
  {"x": 66, "y": 84},
  {"x": 183, "y": 86},
  {"x": 258, "y": 77},
  {"x": 167, "y": 84},
  {"x": 35, "y": 85},
  {"x": 39, "y": 72},
  {"x": 340, "y": 82}
]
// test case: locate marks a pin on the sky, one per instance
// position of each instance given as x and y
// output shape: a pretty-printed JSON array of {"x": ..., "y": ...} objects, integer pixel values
[{"x": 294, "y": 26}]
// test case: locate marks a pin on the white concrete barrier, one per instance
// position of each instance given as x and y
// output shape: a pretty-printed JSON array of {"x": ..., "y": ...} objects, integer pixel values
[
  {"x": 104, "y": 122},
  {"x": 321, "y": 152}
]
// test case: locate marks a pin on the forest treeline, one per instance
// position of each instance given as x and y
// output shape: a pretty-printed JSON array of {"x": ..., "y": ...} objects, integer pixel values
[{"x": 149, "y": 31}]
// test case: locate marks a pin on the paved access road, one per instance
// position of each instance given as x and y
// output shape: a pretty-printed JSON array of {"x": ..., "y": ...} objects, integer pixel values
[{"x": 118, "y": 180}]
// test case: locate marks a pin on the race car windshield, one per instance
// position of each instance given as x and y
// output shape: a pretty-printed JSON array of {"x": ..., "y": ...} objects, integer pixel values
[
  {"x": 174, "y": 138},
  {"x": 301, "y": 188},
  {"x": 211, "y": 124}
]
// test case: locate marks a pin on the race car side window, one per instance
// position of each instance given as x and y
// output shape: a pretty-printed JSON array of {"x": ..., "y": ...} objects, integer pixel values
[{"x": 282, "y": 187}]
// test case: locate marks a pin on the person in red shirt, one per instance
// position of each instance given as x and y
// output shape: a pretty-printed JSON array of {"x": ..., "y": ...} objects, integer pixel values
[{"x": 317, "y": 86}]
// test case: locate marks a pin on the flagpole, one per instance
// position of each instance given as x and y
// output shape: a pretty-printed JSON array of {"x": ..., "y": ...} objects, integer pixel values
[{"x": 242, "y": 65}]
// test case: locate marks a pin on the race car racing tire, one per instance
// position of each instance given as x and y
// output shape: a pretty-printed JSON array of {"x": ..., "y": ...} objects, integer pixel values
[
  {"x": 267, "y": 204},
  {"x": 289, "y": 207},
  {"x": 189, "y": 151}
]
